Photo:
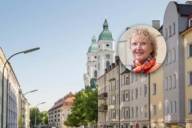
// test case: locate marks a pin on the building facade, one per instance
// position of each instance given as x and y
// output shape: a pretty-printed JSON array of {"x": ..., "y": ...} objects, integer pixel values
[
  {"x": 175, "y": 21},
  {"x": 60, "y": 110},
  {"x": 9, "y": 95},
  {"x": 187, "y": 41},
  {"x": 157, "y": 99},
  {"x": 162, "y": 99}
]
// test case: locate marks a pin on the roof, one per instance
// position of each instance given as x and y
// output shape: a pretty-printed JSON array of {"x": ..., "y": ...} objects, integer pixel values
[
  {"x": 67, "y": 100},
  {"x": 105, "y": 34},
  {"x": 94, "y": 45},
  {"x": 184, "y": 9}
]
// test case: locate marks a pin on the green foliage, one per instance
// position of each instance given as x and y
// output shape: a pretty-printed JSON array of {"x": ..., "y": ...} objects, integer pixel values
[
  {"x": 20, "y": 121},
  {"x": 41, "y": 117},
  {"x": 85, "y": 108},
  {"x": 44, "y": 117}
]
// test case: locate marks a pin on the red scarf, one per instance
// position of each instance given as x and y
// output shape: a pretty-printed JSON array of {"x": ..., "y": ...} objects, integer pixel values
[{"x": 145, "y": 67}]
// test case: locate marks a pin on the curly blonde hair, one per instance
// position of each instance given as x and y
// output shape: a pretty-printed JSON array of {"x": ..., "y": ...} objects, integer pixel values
[{"x": 148, "y": 35}]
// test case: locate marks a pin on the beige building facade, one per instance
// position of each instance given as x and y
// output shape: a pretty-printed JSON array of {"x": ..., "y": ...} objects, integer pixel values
[
  {"x": 187, "y": 41},
  {"x": 157, "y": 99}
]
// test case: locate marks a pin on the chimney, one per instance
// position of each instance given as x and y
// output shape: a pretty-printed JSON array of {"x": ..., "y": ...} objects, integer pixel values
[{"x": 156, "y": 24}]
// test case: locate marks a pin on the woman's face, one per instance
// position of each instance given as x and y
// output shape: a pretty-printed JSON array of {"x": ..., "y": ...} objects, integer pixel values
[{"x": 141, "y": 47}]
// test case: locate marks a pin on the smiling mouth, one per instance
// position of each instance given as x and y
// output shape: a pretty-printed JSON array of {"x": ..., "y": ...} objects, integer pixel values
[{"x": 139, "y": 53}]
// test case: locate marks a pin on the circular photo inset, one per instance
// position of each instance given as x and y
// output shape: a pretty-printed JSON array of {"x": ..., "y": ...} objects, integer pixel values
[{"x": 142, "y": 49}]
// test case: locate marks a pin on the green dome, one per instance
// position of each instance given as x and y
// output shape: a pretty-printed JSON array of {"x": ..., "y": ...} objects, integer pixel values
[
  {"x": 105, "y": 34},
  {"x": 94, "y": 46}
]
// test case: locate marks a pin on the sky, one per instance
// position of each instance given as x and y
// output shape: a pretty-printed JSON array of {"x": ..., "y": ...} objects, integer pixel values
[{"x": 63, "y": 30}]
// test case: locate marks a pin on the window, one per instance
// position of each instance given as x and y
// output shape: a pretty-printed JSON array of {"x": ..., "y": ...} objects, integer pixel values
[
  {"x": 113, "y": 114},
  {"x": 154, "y": 110},
  {"x": 154, "y": 89},
  {"x": 140, "y": 91},
  {"x": 173, "y": 55},
  {"x": 169, "y": 57},
  {"x": 166, "y": 34},
  {"x": 113, "y": 99},
  {"x": 127, "y": 113},
  {"x": 170, "y": 31},
  {"x": 171, "y": 107},
  {"x": 145, "y": 111},
  {"x": 132, "y": 112},
  {"x": 145, "y": 90},
  {"x": 107, "y": 64},
  {"x": 107, "y": 45},
  {"x": 174, "y": 81},
  {"x": 127, "y": 95},
  {"x": 132, "y": 92},
  {"x": 132, "y": 77},
  {"x": 174, "y": 29},
  {"x": 175, "y": 106},
  {"x": 166, "y": 83},
  {"x": 167, "y": 107},
  {"x": 136, "y": 112},
  {"x": 127, "y": 80},
  {"x": 107, "y": 56},
  {"x": 190, "y": 22},
  {"x": 190, "y": 78},
  {"x": 190, "y": 50},
  {"x": 136, "y": 93},
  {"x": 95, "y": 74},
  {"x": 190, "y": 106},
  {"x": 170, "y": 82}
]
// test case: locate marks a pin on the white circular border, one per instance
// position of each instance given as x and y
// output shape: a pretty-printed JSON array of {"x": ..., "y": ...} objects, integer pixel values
[{"x": 124, "y": 50}]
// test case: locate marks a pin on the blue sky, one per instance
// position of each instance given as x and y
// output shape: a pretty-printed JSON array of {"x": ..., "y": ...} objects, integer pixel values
[{"x": 63, "y": 29}]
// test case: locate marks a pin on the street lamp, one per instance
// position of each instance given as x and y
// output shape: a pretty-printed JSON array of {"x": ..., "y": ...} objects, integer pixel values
[
  {"x": 36, "y": 111},
  {"x": 23, "y": 102},
  {"x": 35, "y": 90},
  {"x": 2, "y": 82}
]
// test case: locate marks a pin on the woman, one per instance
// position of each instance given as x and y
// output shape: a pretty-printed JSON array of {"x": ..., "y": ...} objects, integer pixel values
[{"x": 143, "y": 47}]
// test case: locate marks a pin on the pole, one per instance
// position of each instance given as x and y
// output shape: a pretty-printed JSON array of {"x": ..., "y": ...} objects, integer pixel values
[
  {"x": 119, "y": 92},
  {"x": 36, "y": 113},
  {"x": 35, "y": 117},
  {"x": 149, "y": 80}
]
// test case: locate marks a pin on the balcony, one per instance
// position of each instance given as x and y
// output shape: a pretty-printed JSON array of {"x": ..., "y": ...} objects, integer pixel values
[
  {"x": 103, "y": 95},
  {"x": 102, "y": 108}
]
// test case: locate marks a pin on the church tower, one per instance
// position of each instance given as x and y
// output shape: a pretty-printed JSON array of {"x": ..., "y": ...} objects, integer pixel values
[
  {"x": 99, "y": 56},
  {"x": 91, "y": 62},
  {"x": 105, "y": 52}
]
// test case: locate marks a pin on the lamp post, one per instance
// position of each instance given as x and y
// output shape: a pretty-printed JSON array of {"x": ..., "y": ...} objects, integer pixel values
[
  {"x": 23, "y": 103},
  {"x": 35, "y": 90},
  {"x": 36, "y": 112},
  {"x": 2, "y": 82}
]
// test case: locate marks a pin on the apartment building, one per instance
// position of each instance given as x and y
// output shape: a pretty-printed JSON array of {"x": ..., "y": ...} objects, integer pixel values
[
  {"x": 60, "y": 110},
  {"x": 134, "y": 99},
  {"x": 10, "y": 98},
  {"x": 187, "y": 42},
  {"x": 108, "y": 99},
  {"x": 175, "y": 21}
]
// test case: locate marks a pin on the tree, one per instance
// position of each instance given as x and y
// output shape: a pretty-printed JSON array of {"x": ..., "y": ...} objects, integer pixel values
[
  {"x": 85, "y": 108},
  {"x": 44, "y": 117},
  {"x": 20, "y": 121},
  {"x": 34, "y": 113}
]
